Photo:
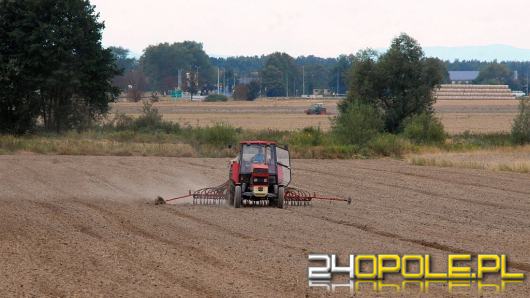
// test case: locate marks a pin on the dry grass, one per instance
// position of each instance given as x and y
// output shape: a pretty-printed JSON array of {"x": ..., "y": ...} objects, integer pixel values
[
  {"x": 458, "y": 116},
  {"x": 253, "y": 121},
  {"x": 455, "y": 123},
  {"x": 511, "y": 159},
  {"x": 278, "y": 114},
  {"x": 69, "y": 146}
]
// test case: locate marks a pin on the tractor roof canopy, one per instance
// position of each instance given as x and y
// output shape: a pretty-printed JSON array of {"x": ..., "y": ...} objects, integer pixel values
[{"x": 258, "y": 143}]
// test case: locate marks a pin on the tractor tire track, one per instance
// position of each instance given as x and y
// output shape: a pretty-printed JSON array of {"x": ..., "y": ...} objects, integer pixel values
[
  {"x": 201, "y": 255},
  {"x": 92, "y": 232},
  {"x": 449, "y": 181},
  {"x": 420, "y": 191},
  {"x": 230, "y": 232},
  {"x": 429, "y": 244}
]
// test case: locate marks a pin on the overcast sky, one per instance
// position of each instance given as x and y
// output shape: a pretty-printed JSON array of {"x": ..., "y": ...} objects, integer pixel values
[{"x": 320, "y": 27}]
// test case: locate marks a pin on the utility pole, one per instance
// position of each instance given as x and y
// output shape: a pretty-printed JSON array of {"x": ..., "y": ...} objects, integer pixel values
[
  {"x": 303, "y": 80},
  {"x": 218, "y": 87},
  {"x": 527, "y": 81},
  {"x": 337, "y": 93},
  {"x": 198, "y": 84},
  {"x": 233, "y": 82},
  {"x": 179, "y": 79},
  {"x": 224, "y": 82}
]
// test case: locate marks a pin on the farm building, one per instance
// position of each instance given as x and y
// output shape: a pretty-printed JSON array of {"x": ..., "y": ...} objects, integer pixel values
[
  {"x": 474, "y": 92},
  {"x": 462, "y": 77}
]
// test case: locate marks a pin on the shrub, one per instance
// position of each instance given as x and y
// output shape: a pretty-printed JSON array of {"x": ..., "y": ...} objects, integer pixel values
[
  {"x": 358, "y": 124},
  {"x": 122, "y": 121},
  {"x": 389, "y": 145},
  {"x": 149, "y": 121},
  {"x": 241, "y": 92},
  {"x": 469, "y": 141},
  {"x": 246, "y": 91},
  {"x": 275, "y": 135},
  {"x": 152, "y": 121},
  {"x": 521, "y": 124},
  {"x": 215, "y": 97},
  {"x": 253, "y": 90},
  {"x": 323, "y": 151},
  {"x": 150, "y": 117},
  {"x": 424, "y": 129},
  {"x": 309, "y": 136},
  {"x": 220, "y": 134}
]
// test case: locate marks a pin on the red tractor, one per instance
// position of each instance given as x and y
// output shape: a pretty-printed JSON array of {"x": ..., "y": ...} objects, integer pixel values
[{"x": 259, "y": 174}]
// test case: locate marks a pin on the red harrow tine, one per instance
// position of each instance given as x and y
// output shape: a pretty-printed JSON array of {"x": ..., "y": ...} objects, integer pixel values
[
  {"x": 297, "y": 197},
  {"x": 210, "y": 195},
  {"x": 217, "y": 196}
]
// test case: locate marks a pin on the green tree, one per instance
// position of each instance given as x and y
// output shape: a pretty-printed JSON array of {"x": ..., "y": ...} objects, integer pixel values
[
  {"x": 494, "y": 74},
  {"x": 424, "y": 129},
  {"x": 253, "y": 90},
  {"x": 18, "y": 97},
  {"x": 240, "y": 92},
  {"x": 248, "y": 91},
  {"x": 136, "y": 84},
  {"x": 53, "y": 65},
  {"x": 133, "y": 80},
  {"x": 316, "y": 76},
  {"x": 338, "y": 75},
  {"x": 123, "y": 58},
  {"x": 399, "y": 82},
  {"x": 357, "y": 124},
  {"x": 278, "y": 75},
  {"x": 161, "y": 63},
  {"x": 521, "y": 124}
]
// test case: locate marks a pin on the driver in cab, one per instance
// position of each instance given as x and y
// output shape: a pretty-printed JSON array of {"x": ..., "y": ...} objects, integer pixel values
[{"x": 259, "y": 157}]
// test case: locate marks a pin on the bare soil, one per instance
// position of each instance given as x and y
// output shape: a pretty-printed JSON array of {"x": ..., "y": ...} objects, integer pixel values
[
  {"x": 87, "y": 226},
  {"x": 479, "y": 116}
]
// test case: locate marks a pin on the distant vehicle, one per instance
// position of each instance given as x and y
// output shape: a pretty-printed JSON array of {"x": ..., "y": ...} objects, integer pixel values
[
  {"x": 518, "y": 94},
  {"x": 316, "y": 109}
]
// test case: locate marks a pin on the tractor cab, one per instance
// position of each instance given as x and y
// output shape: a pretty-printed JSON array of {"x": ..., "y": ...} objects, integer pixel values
[{"x": 259, "y": 174}]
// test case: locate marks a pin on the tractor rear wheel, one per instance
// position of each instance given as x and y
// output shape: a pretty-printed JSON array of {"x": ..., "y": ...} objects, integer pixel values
[
  {"x": 237, "y": 197},
  {"x": 281, "y": 195}
]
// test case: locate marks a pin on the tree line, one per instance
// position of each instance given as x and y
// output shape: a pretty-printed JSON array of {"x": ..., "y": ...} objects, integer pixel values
[
  {"x": 55, "y": 73},
  {"x": 512, "y": 73},
  {"x": 277, "y": 74},
  {"x": 165, "y": 66}
]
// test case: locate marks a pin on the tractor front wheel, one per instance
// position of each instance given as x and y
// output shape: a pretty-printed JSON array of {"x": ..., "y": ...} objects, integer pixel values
[
  {"x": 281, "y": 195},
  {"x": 237, "y": 197}
]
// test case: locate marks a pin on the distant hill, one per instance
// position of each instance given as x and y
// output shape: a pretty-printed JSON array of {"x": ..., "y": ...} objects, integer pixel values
[{"x": 482, "y": 53}]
